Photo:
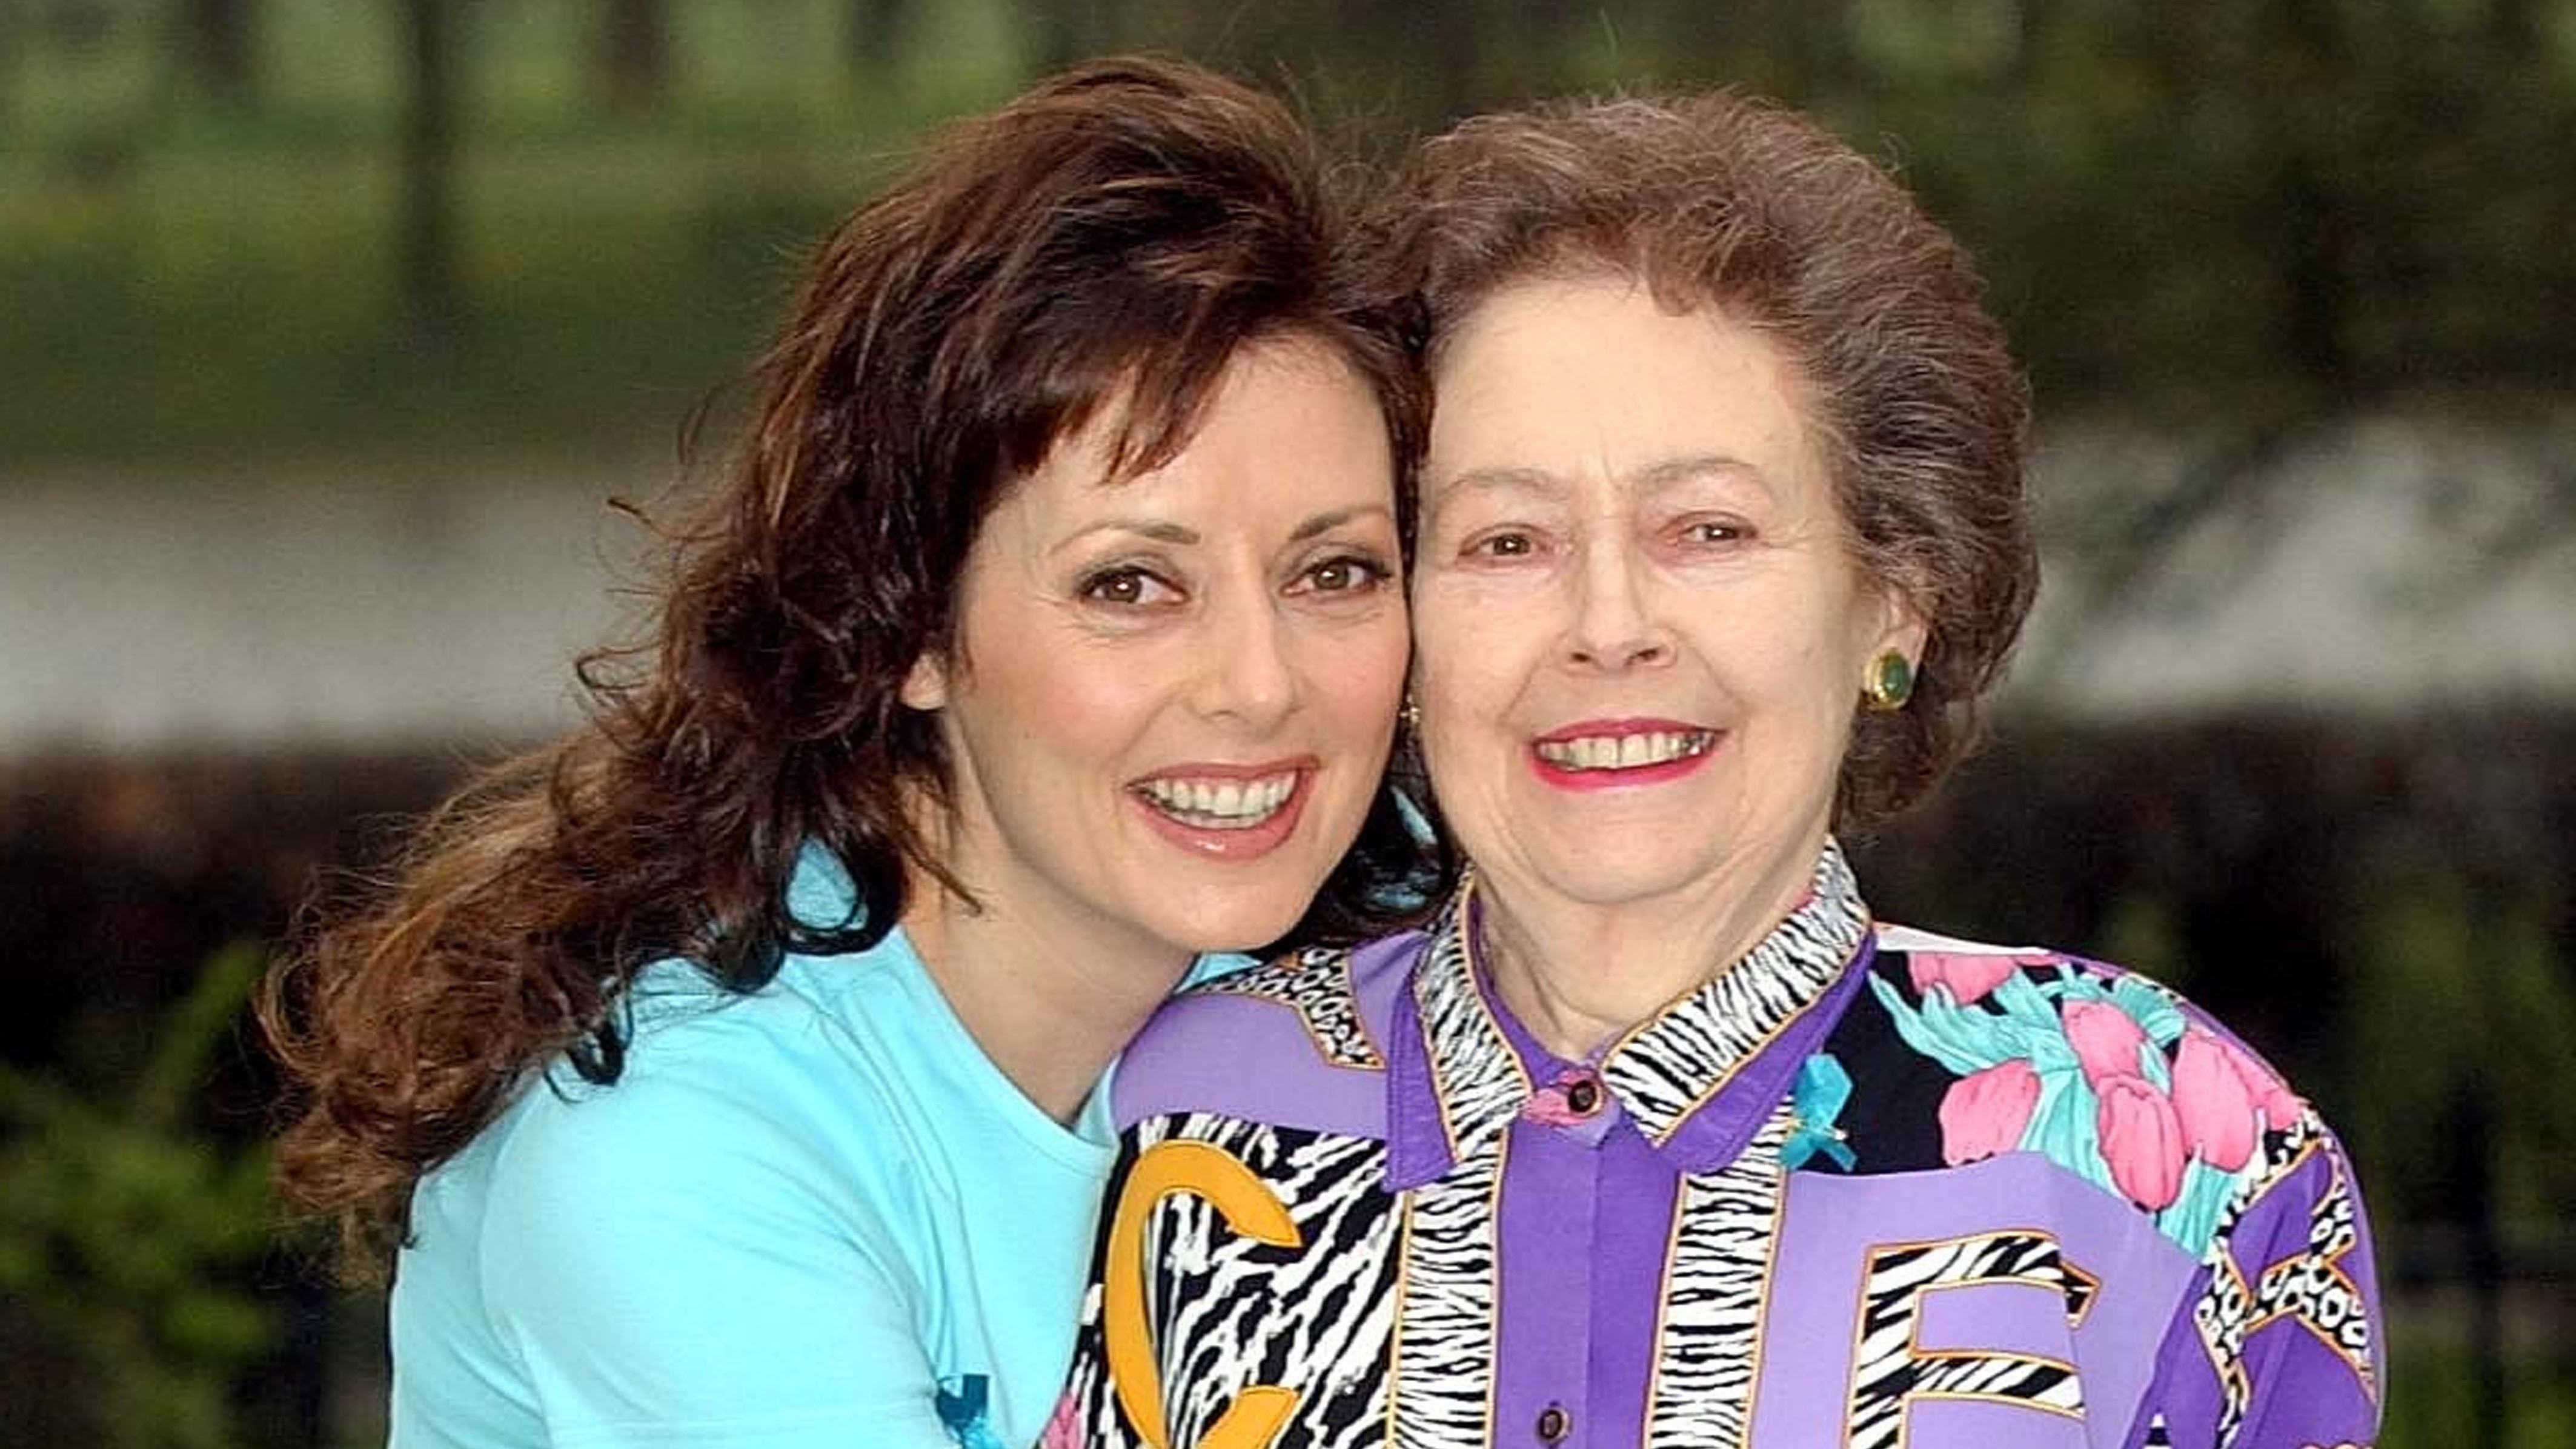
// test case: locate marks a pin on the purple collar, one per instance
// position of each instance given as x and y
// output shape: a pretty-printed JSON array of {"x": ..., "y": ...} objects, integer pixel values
[{"x": 1698, "y": 1078}]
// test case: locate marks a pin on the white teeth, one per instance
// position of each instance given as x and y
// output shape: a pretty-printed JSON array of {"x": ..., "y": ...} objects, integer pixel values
[
  {"x": 1625, "y": 752},
  {"x": 1220, "y": 804}
]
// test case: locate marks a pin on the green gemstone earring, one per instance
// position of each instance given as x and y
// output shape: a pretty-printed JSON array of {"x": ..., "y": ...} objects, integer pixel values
[{"x": 1890, "y": 683}]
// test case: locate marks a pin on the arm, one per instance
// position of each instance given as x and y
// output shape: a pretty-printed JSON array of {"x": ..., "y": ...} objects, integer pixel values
[{"x": 2281, "y": 1347}]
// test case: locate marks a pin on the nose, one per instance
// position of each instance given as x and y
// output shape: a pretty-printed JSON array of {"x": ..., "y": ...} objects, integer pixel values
[
  {"x": 1249, "y": 674},
  {"x": 1614, "y": 625}
]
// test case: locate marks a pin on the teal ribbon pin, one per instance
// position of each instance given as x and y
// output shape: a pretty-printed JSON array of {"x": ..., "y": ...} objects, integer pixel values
[{"x": 1823, "y": 1087}]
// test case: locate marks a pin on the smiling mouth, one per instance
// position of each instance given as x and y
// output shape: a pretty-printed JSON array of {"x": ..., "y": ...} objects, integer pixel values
[
  {"x": 1627, "y": 751},
  {"x": 1220, "y": 804}
]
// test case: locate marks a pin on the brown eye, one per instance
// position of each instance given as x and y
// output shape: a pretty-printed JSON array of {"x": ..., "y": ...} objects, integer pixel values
[
  {"x": 1710, "y": 532},
  {"x": 1124, "y": 587},
  {"x": 1346, "y": 574}
]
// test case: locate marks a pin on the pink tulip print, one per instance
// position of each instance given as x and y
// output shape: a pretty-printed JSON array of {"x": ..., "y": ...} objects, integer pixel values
[
  {"x": 2106, "y": 1040},
  {"x": 2217, "y": 1111},
  {"x": 2179, "y": 1109},
  {"x": 2272, "y": 1097},
  {"x": 1968, "y": 978},
  {"x": 2142, "y": 1140},
  {"x": 1985, "y": 1112}
]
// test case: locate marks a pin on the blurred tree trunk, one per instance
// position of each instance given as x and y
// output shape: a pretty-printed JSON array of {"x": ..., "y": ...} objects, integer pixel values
[
  {"x": 1439, "y": 47},
  {"x": 878, "y": 30},
  {"x": 221, "y": 46},
  {"x": 1825, "y": 51},
  {"x": 2303, "y": 72},
  {"x": 433, "y": 299},
  {"x": 1069, "y": 30},
  {"x": 635, "y": 55},
  {"x": 12, "y": 32},
  {"x": 2032, "y": 22},
  {"x": 2514, "y": 27}
]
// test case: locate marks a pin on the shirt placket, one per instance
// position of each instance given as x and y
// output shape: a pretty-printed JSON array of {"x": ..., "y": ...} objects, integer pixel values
[{"x": 1584, "y": 1214}]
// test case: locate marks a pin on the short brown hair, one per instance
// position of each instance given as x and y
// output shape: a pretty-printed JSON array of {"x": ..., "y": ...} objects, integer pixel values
[{"x": 1718, "y": 200}]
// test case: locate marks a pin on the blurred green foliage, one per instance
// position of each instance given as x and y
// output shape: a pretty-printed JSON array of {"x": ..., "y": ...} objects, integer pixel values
[
  {"x": 126, "y": 1227},
  {"x": 2460, "y": 994},
  {"x": 2192, "y": 204},
  {"x": 2434, "y": 1400}
]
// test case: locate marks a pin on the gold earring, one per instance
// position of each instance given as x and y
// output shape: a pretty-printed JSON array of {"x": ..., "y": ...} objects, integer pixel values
[
  {"x": 1411, "y": 714},
  {"x": 1890, "y": 683}
]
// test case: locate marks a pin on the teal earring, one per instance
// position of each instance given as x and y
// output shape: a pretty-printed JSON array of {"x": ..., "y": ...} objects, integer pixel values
[{"x": 1890, "y": 683}]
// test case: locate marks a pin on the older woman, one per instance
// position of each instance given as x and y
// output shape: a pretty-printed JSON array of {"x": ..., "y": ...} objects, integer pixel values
[
  {"x": 1656, "y": 1137},
  {"x": 726, "y": 1073}
]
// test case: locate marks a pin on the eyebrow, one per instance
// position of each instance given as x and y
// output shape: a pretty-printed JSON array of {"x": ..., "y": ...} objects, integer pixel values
[
  {"x": 1157, "y": 530},
  {"x": 1653, "y": 477},
  {"x": 1323, "y": 523},
  {"x": 1163, "y": 530}
]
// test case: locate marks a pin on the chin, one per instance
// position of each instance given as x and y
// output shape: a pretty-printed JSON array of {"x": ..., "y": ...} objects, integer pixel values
[
  {"x": 1613, "y": 882},
  {"x": 1229, "y": 927},
  {"x": 1227, "y": 907}
]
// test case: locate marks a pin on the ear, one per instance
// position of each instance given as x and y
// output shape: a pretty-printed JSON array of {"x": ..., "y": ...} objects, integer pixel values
[
  {"x": 1898, "y": 622},
  {"x": 925, "y": 687}
]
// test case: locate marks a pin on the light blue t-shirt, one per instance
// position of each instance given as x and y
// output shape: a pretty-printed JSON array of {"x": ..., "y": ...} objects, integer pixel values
[{"x": 796, "y": 1217}]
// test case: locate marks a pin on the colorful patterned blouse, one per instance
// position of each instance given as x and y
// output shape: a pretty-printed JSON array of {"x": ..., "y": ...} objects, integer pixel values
[{"x": 1869, "y": 1187}]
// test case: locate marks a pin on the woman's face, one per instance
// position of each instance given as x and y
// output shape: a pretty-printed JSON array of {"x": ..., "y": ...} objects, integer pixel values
[
  {"x": 1640, "y": 635},
  {"x": 1173, "y": 696}
]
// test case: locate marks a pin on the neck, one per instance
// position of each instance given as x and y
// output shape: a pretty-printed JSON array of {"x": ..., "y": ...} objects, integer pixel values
[
  {"x": 1050, "y": 1010},
  {"x": 1579, "y": 976}
]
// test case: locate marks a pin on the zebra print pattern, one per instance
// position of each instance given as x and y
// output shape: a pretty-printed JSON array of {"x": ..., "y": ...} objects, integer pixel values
[
  {"x": 1476, "y": 1074},
  {"x": 1315, "y": 983},
  {"x": 1445, "y": 1334},
  {"x": 2310, "y": 1289},
  {"x": 1726, "y": 1225},
  {"x": 1890, "y": 1370},
  {"x": 1228, "y": 1312},
  {"x": 1666, "y": 1068}
]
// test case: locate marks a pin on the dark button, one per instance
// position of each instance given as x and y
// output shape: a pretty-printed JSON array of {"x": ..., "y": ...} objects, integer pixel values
[
  {"x": 1583, "y": 1098},
  {"x": 1553, "y": 1421}
]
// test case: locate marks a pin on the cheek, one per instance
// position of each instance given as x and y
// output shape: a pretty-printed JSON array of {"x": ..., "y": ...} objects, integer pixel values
[
  {"x": 1467, "y": 643},
  {"x": 1034, "y": 700},
  {"x": 1361, "y": 679}
]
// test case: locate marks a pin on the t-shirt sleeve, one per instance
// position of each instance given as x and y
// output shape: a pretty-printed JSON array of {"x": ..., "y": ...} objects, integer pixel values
[{"x": 676, "y": 1264}]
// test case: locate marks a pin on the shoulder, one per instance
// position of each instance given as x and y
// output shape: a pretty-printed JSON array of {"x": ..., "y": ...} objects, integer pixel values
[
  {"x": 2115, "y": 1022},
  {"x": 1281, "y": 1042},
  {"x": 790, "y": 1087},
  {"x": 740, "y": 1126},
  {"x": 2115, "y": 1075}
]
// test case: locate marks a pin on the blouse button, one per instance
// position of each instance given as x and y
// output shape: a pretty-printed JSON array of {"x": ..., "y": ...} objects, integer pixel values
[
  {"x": 1583, "y": 1097},
  {"x": 1553, "y": 1422}
]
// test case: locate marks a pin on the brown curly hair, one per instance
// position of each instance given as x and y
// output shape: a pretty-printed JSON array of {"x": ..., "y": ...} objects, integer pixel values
[
  {"x": 1720, "y": 201},
  {"x": 1112, "y": 237}
]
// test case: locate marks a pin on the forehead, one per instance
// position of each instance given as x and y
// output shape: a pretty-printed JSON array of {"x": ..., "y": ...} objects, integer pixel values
[
  {"x": 1289, "y": 422},
  {"x": 1592, "y": 376}
]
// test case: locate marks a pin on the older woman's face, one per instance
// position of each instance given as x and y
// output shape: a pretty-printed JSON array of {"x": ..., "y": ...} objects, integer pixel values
[
  {"x": 1175, "y": 693},
  {"x": 1639, "y": 633}
]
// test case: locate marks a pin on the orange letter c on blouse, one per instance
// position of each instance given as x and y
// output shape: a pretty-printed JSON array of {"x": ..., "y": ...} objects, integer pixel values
[{"x": 1163, "y": 1170}]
